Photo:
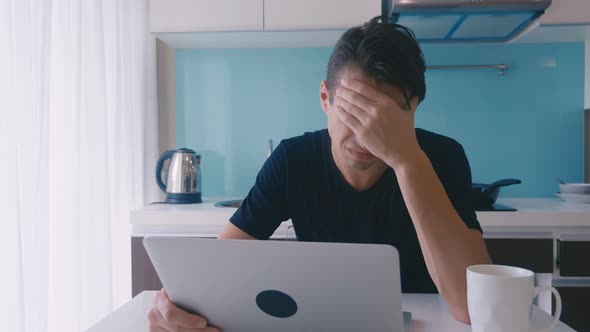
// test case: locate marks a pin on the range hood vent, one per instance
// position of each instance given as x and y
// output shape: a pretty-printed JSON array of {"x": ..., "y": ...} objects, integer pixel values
[{"x": 458, "y": 21}]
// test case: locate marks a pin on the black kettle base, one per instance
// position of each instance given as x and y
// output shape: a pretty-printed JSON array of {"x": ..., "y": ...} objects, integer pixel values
[{"x": 188, "y": 198}]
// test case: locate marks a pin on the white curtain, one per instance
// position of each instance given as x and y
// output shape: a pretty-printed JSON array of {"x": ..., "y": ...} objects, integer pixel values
[{"x": 78, "y": 143}]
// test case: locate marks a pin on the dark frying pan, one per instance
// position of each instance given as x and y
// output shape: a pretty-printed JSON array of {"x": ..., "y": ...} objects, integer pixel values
[{"x": 485, "y": 195}]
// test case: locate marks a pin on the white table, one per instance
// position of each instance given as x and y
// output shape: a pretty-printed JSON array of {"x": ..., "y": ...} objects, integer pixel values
[{"x": 429, "y": 313}]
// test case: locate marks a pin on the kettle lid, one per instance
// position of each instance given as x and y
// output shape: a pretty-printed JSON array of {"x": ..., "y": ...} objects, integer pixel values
[{"x": 185, "y": 150}]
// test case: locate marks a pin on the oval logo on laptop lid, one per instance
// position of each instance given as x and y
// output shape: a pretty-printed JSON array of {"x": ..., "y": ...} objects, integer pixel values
[{"x": 276, "y": 303}]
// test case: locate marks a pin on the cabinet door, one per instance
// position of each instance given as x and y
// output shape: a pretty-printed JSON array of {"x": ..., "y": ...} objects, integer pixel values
[
  {"x": 318, "y": 14},
  {"x": 573, "y": 252},
  {"x": 205, "y": 15},
  {"x": 574, "y": 311},
  {"x": 532, "y": 254},
  {"x": 567, "y": 12}
]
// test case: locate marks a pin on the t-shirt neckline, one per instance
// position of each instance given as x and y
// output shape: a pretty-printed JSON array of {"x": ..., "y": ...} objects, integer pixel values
[{"x": 340, "y": 177}]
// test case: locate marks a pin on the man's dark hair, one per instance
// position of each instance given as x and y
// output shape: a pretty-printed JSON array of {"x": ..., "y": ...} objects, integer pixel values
[{"x": 384, "y": 51}]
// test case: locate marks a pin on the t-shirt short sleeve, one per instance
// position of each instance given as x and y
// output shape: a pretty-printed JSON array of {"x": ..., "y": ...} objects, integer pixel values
[
  {"x": 456, "y": 179},
  {"x": 265, "y": 206}
]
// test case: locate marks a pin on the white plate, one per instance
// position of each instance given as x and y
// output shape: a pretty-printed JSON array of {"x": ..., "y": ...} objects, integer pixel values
[
  {"x": 578, "y": 198},
  {"x": 575, "y": 188}
]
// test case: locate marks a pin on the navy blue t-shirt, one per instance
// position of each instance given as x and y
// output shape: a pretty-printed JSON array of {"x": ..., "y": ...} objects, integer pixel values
[{"x": 300, "y": 181}]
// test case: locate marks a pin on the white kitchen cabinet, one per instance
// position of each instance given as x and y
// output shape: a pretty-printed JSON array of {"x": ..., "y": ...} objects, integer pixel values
[
  {"x": 205, "y": 15},
  {"x": 318, "y": 14},
  {"x": 567, "y": 12},
  {"x": 314, "y": 23}
]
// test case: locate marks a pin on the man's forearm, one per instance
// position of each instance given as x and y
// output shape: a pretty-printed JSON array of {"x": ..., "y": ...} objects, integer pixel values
[{"x": 448, "y": 246}]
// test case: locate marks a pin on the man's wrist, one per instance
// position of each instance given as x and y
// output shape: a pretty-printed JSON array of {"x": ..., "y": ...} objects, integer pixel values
[{"x": 415, "y": 159}]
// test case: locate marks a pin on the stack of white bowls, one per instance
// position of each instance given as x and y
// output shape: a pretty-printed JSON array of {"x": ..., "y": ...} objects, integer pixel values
[{"x": 575, "y": 192}]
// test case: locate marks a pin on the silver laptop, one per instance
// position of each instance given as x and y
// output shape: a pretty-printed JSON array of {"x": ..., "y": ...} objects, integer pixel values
[{"x": 263, "y": 286}]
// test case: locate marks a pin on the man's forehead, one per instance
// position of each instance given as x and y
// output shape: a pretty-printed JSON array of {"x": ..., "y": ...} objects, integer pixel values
[{"x": 353, "y": 72}]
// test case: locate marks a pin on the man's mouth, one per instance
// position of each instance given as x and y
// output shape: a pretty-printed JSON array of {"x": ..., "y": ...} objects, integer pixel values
[
  {"x": 358, "y": 151},
  {"x": 355, "y": 145}
]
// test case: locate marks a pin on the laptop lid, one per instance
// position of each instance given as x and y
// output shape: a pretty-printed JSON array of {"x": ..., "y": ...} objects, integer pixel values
[{"x": 263, "y": 286}]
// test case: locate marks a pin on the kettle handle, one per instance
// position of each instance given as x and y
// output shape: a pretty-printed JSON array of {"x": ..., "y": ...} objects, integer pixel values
[{"x": 166, "y": 155}]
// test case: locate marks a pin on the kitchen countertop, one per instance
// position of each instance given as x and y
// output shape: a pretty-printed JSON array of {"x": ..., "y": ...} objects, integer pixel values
[
  {"x": 534, "y": 215},
  {"x": 429, "y": 313}
]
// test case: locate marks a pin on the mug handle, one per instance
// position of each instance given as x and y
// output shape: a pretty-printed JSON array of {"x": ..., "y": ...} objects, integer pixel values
[{"x": 557, "y": 305}]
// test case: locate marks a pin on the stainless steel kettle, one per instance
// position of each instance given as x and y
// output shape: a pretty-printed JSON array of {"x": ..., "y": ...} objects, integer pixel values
[{"x": 183, "y": 177}]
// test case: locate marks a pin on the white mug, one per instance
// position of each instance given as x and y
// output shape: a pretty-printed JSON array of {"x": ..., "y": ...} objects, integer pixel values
[{"x": 500, "y": 298}]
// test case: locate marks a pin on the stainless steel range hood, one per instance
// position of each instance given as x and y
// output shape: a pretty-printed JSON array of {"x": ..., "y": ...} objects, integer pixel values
[{"x": 448, "y": 21}]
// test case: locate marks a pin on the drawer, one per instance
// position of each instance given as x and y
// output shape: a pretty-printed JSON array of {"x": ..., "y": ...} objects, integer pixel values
[
  {"x": 574, "y": 299},
  {"x": 532, "y": 254},
  {"x": 573, "y": 255}
]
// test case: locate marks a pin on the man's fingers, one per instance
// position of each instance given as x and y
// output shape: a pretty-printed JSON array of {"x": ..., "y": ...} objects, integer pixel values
[
  {"x": 368, "y": 97},
  {"x": 160, "y": 324},
  {"x": 369, "y": 92},
  {"x": 210, "y": 329},
  {"x": 349, "y": 120},
  {"x": 173, "y": 314},
  {"x": 355, "y": 99},
  {"x": 358, "y": 113},
  {"x": 157, "y": 329},
  {"x": 157, "y": 321}
]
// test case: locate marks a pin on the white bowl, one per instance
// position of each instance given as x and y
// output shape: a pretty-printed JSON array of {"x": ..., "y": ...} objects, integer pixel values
[
  {"x": 575, "y": 188},
  {"x": 577, "y": 198}
]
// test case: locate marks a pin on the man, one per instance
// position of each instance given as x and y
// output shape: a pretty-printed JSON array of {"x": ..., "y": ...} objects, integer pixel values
[{"x": 371, "y": 177}]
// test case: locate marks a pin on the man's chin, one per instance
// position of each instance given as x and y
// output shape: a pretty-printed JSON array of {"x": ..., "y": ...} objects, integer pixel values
[{"x": 361, "y": 164}]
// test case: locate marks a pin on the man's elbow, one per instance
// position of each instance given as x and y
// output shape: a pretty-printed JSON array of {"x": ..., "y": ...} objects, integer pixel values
[{"x": 460, "y": 313}]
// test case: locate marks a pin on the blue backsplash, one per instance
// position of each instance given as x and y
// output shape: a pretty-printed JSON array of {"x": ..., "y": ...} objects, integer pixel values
[{"x": 527, "y": 124}]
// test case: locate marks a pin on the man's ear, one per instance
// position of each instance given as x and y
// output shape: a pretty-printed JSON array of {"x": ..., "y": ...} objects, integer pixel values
[
  {"x": 324, "y": 95},
  {"x": 414, "y": 104}
]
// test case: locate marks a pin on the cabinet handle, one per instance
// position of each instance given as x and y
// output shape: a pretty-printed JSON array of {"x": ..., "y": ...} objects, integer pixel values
[{"x": 557, "y": 258}]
